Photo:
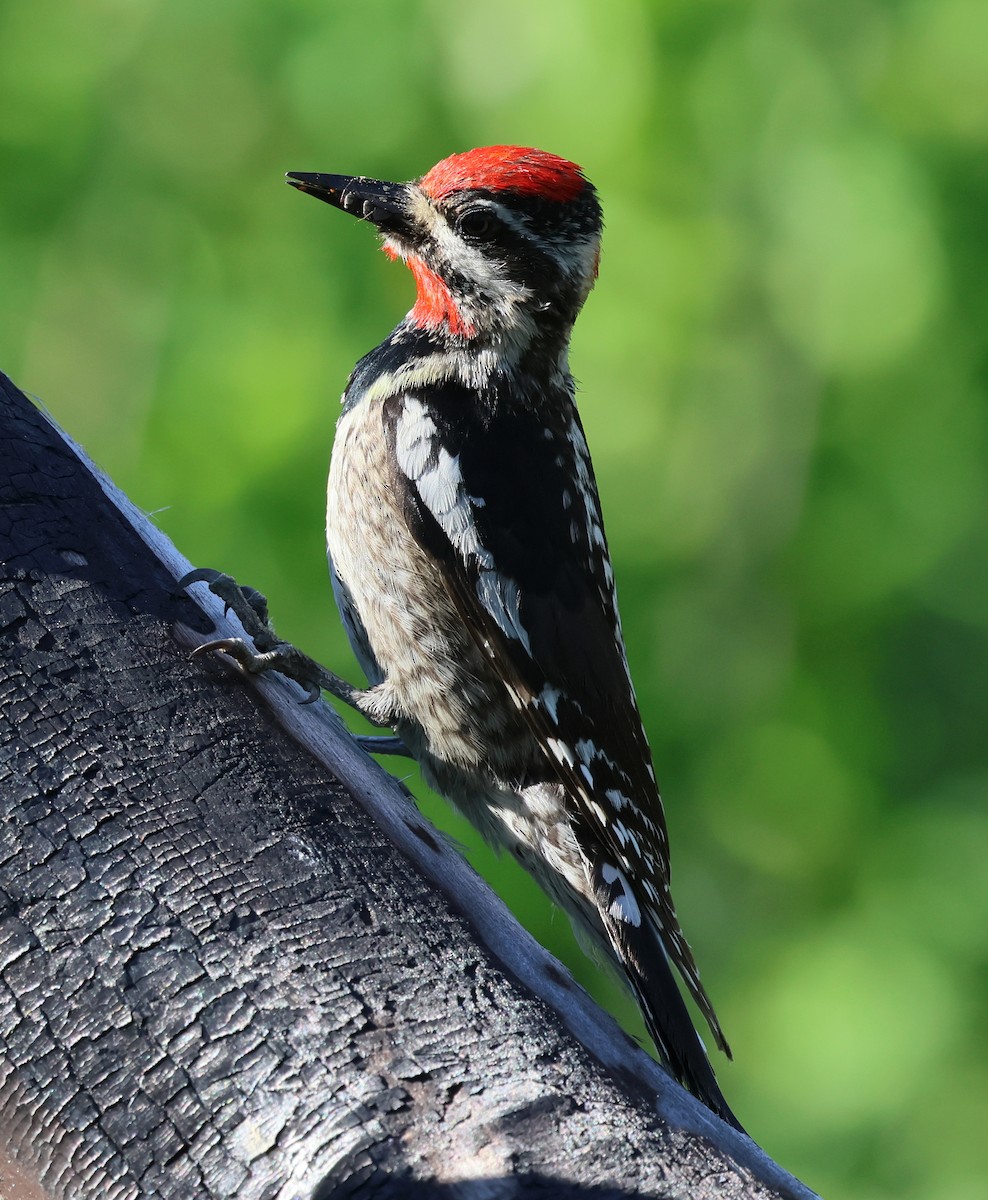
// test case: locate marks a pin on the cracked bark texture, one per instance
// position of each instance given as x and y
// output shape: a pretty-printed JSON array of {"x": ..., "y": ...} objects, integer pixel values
[{"x": 219, "y": 975}]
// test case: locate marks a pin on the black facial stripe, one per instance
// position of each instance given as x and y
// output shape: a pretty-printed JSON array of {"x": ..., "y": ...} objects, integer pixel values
[
  {"x": 576, "y": 217},
  {"x": 521, "y": 252}
]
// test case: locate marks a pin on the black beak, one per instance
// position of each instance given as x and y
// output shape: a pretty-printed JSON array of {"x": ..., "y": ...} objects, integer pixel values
[{"x": 383, "y": 204}]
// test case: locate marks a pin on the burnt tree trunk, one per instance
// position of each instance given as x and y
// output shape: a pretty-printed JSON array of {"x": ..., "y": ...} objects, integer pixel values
[{"x": 234, "y": 960}]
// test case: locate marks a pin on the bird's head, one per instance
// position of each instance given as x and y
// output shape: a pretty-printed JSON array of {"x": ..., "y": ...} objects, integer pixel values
[{"x": 503, "y": 241}]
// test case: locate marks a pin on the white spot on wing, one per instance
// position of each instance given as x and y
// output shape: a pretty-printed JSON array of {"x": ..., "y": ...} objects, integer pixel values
[
  {"x": 618, "y": 799},
  {"x": 502, "y": 599},
  {"x": 413, "y": 438},
  {"x": 562, "y": 751},
  {"x": 624, "y": 907},
  {"x": 440, "y": 484},
  {"x": 587, "y": 750},
  {"x": 550, "y": 697}
]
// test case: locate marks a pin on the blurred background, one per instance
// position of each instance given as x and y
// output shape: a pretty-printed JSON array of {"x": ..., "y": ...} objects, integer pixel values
[{"x": 783, "y": 376}]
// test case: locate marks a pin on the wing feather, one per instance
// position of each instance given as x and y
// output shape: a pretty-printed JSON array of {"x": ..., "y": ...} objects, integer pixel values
[{"x": 505, "y": 501}]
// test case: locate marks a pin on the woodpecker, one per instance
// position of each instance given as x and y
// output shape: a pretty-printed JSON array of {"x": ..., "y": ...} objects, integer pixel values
[{"x": 471, "y": 568}]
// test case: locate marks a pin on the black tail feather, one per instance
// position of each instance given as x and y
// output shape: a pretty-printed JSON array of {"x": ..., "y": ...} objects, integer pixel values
[{"x": 640, "y": 952}]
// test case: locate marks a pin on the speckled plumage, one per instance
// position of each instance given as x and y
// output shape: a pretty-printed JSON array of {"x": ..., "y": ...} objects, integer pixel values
[{"x": 471, "y": 568}]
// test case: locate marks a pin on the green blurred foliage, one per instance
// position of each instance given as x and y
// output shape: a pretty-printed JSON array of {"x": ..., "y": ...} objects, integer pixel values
[{"x": 783, "y": 373}]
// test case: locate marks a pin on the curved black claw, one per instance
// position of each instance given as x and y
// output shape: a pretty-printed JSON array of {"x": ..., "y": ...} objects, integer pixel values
[
  {"x": 269, "y": 652},
  {"x": 283, "y": 658},
  {"x": 250, "y": 605}
]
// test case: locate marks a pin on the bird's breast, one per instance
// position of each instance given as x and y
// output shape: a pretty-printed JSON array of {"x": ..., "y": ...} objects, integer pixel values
[{"x": 432, "y": 671}]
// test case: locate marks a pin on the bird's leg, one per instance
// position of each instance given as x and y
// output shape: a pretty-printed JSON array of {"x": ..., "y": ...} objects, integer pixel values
[{"x": 270, "y": 653}]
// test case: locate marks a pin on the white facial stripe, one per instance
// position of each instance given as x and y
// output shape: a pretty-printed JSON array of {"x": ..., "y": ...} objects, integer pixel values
[
  {"x": 471, "y": 262},
  {"x": 422, "y": 211},
  {"x": 493, "y": 294}
]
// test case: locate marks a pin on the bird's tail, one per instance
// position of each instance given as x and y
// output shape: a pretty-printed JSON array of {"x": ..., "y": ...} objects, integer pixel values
[
  {"x": 643, "y": 951},
  {"x": 671, "y": 1027}
]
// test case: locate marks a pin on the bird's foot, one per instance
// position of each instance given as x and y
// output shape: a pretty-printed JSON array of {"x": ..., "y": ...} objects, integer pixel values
[{"x": 268, "y": 652}]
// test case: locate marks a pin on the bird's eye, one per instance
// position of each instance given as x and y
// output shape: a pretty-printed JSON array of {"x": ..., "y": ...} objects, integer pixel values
[{"x": 476, "y": 223}]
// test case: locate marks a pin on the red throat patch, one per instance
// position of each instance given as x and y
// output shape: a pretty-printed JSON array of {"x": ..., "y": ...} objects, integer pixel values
[
  {"x": 435, "y": 305},
  {"x": 505, "y": 168}
]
